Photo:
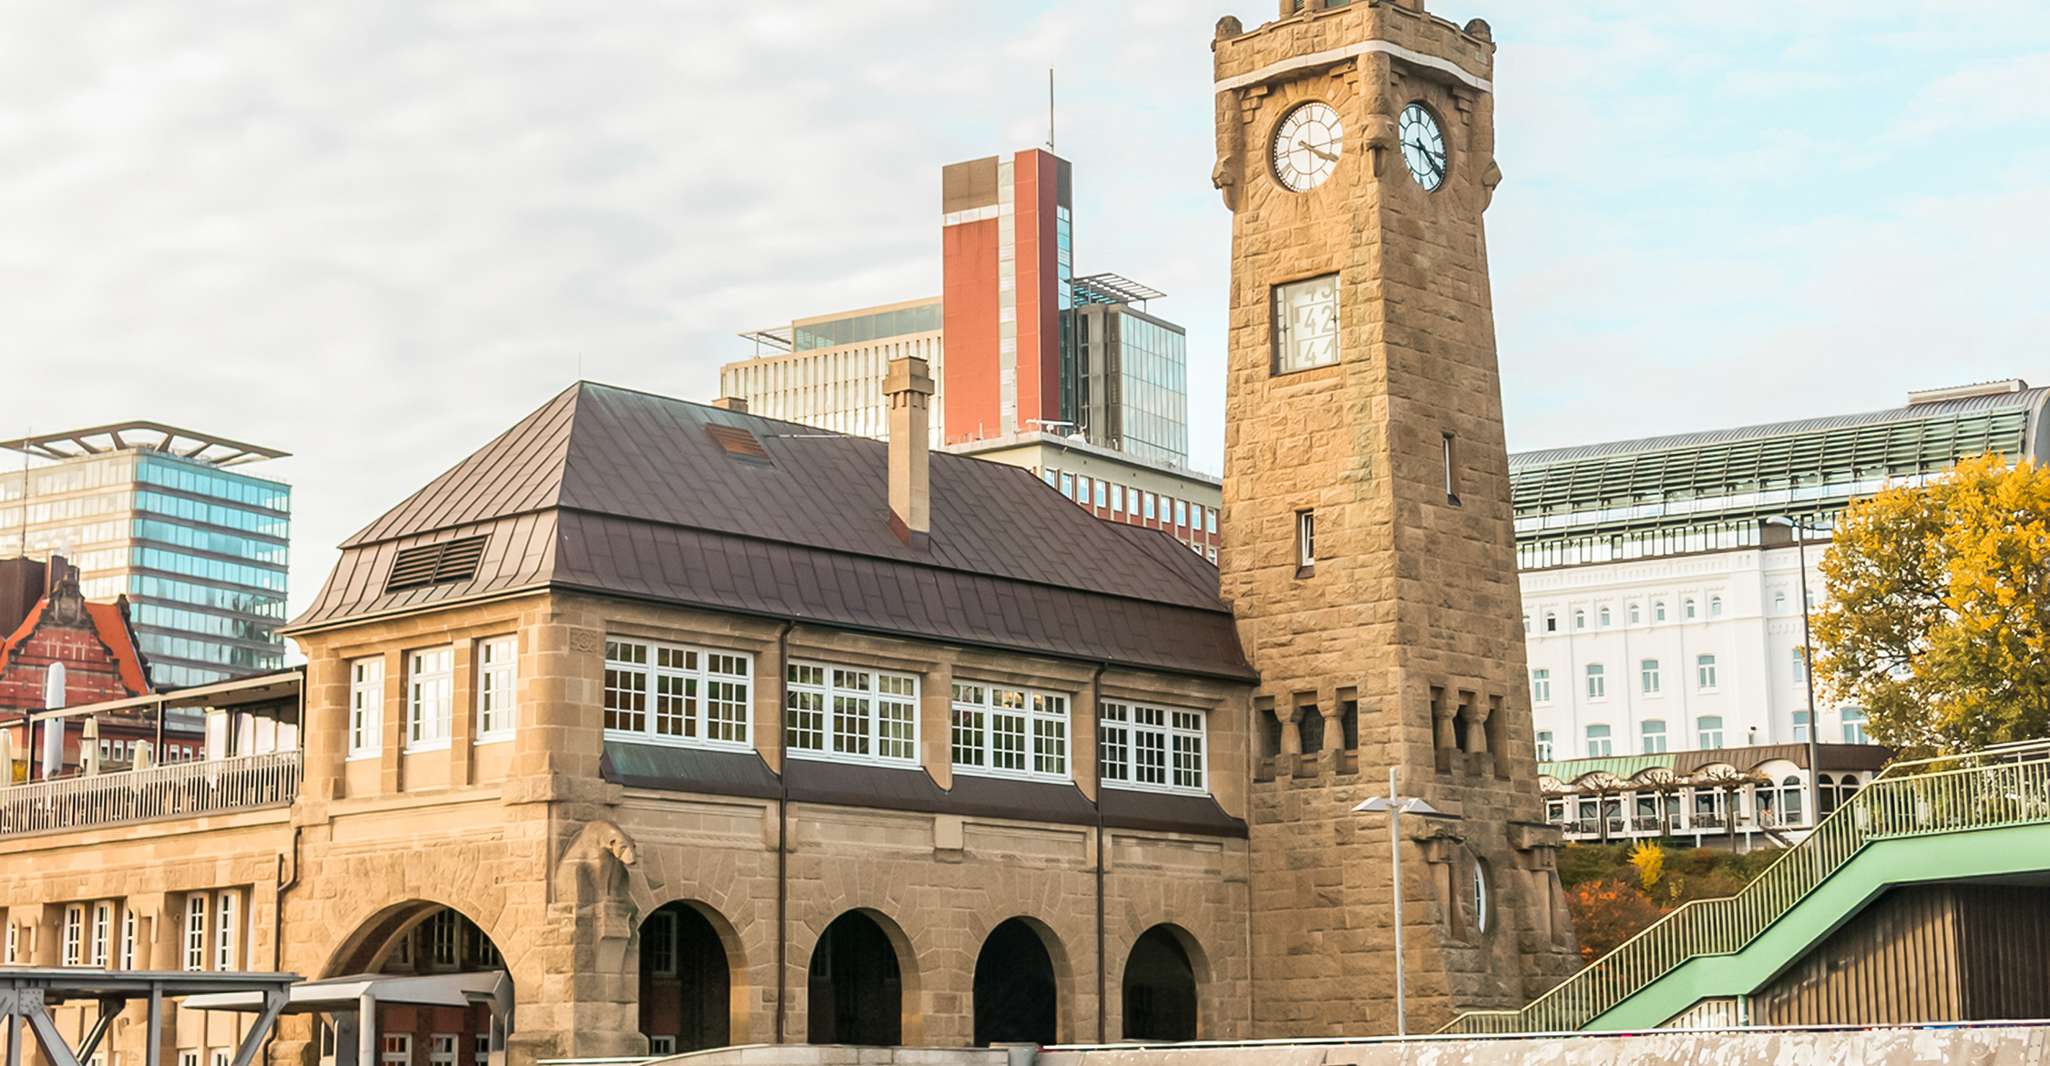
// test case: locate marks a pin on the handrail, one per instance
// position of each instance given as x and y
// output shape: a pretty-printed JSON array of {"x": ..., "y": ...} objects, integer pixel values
[
  {"x": 2012, "y": 790},
  {"x": 2014, "y": 751},
  {"x": 172, "y": 790}
]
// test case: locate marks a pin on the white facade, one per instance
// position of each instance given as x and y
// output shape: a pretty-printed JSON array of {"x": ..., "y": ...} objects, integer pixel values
[
  {"x": 839, "y": 386},
  {"x": 1687, "y": 652}
]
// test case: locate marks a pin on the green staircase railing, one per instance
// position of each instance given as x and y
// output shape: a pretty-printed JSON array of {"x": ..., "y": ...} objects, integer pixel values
[{"x": 2004, "y": 786}]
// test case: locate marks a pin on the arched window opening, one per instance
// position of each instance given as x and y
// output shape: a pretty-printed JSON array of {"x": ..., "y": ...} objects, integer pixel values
[
  {"x": 1159, "y": 988},
  {"x": 444, "y": 949},
  {"x": 856, "y": 986},
  {"x": 1015, "y": 990},
  {"x": 686, "y": 981}
]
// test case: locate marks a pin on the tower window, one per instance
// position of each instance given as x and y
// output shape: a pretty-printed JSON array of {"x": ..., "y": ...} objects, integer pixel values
[
  {"x": 1306, "y": 324},
  {"x": 1451, "y": 473},
  {"x": 1305, "y": 540}
]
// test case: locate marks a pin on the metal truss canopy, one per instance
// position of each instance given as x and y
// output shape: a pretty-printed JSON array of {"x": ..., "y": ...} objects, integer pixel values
[
  {"x": 142, "y": 436},
  {"x": 27, "y": 993}
]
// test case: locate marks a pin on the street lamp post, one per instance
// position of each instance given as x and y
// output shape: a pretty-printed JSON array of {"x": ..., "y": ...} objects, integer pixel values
[
  {"x": 1396, "y": 805},
  {"x": 1799, "y": 532}
]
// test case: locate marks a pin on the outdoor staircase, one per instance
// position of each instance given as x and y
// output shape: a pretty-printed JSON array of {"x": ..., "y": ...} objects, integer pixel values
[{"x": 1998, "y": 788}]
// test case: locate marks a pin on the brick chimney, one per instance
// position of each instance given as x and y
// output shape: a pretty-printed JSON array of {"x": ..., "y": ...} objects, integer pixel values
[{"x": 908, "y": 388}]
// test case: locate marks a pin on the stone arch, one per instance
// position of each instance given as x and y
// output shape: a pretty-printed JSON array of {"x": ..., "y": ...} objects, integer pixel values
[
  {"x": 1162, "y": 985},
  {"x": 388, "y": 940},
  {"x": 852, "y": 969},
  {"x": 1022, "y": 987},
  {"x": 709, "y": 1003}
]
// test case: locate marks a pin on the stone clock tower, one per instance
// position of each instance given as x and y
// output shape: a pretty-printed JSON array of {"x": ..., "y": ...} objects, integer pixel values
[{"x": 1368, "y": 549}]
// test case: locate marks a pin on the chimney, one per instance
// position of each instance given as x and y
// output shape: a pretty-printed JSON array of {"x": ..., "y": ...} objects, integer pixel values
[
  {"x": 735, "y": 404},
  {"x": 908, "y": 388}
]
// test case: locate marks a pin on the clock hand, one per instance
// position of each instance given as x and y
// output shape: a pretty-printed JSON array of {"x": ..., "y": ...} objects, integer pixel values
[{"x": 1313, "y": 150}]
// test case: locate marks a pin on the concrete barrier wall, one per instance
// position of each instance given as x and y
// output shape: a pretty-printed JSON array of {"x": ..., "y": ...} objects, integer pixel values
[{"x": 2009, "y": 1045}]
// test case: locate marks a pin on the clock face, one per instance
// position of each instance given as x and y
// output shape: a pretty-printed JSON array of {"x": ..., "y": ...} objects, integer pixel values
[
  {"x": 1423, "y": 146},
  {"x": 1307, "y": 145}
]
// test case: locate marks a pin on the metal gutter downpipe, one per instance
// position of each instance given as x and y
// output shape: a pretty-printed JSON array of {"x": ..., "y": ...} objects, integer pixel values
[
  {"x": 1102, "y": 980},
  {"x": 782, "y": 829}
]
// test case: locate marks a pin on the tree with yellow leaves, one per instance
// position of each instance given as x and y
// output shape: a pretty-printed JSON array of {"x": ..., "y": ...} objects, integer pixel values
[{"x": 1937, "y": 620}]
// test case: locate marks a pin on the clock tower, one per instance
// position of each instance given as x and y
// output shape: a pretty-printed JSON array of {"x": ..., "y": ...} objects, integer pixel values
[{"x": 1368, "y": 549}]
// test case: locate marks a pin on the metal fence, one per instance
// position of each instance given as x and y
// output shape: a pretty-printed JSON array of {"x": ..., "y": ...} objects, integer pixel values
[
  {"x": 1986, "y": 790},
  {"x": 171, "y": 791}
]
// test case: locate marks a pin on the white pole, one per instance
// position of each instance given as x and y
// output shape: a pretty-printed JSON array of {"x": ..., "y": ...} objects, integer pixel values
[{"x": 1395, "y": 872}]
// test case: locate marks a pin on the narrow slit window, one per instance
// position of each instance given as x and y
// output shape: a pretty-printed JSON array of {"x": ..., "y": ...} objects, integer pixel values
[{"x": 1305, "y": 539}]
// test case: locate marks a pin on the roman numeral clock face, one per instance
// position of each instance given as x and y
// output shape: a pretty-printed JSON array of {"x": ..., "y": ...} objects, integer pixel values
[
  {"x": 1423, "y": 146},
  {"x": 1307, "y": 145}
]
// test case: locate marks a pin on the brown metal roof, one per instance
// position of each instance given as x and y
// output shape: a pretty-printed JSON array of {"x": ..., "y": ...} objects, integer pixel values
[{"x": 619, "y": 492}]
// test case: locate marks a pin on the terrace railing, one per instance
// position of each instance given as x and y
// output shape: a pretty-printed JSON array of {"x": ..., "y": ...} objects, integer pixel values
[
  {"x": 1998, "y": 787},
  {"x": 176, "y": 790}
]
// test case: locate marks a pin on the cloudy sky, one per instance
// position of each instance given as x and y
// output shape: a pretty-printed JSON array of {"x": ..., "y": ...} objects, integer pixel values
[{"x": 374, "y": 234}]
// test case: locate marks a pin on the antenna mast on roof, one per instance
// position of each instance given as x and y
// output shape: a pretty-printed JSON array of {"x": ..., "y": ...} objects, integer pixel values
[{"x": 1049, "y": 109}]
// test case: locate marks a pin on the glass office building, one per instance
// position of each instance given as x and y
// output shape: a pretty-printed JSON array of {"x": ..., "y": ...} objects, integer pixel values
[
  {"x": 1135, "y": 374},
  {"x": 157, "y": 514}
]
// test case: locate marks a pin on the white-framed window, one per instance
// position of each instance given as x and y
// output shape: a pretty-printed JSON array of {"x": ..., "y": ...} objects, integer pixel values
[
  {"x": 1715, "y": 606},
  {"x": 1152, "y": 506},
  {"x": 1147, "y": 747},
  {"x": 188, "y": 1057},
  {"x": 441, "y": 938},
  {"x": 430, "y": 689},
  {"x": 1551, "y": 622},
  {"x": 127, "y": 938},
  {"x": 1710, "y": 730},
  {"x": 1853, "y": 719},
  {"x": 1648, "y": 677},
  {"x": 1704, "y": 673},
  {"x": 1687, "y": 608},
  {"x": 195, "y": 931},
  {"x": 673, "y": 694},
  {"x": 1451, "y": 468},
  {"x": 1801, "y": 726},
  {"x": 103, "y": 934},
  {"x": 1009, "y": 731},
  {"x": 1579, "y": 619},
  {"x": 1306, "y": 324},
  {"x": 1480, "y": 896},
  {"x": 1305, "y": 539},
  {"x": 219, "y": 1057},
  {"x": 12, "y": 949},
  {"x": 497, "y": 685},
  {"x": 1068, "y": 485},
  {"x": 1181, "y": 512},
  {"x": 1800, "y": 665},
  {"x": 395, "y": 1049},
  {"x": 1102, "y": 493},
  {"x": 851, "y": 714},
  {"x": 366, "y": 707},
  {"x": 1652, "y": 737},
  {"x": 659, "y": 942},
  {"x": 1526, "y": 623},
  {"x": 74, "y": 934},
  {"x": 1636, "y": 613},
  {"x": 1117, "y": 499},
  {"x": 480, "y": 1049},
  {"x": 1597, "y": 682},
  {"x": 662, "y": 1044},
  {"x": 1209, "y": 519},
  {"x": 1544, "y": 745},
  {"x": 1658, "y": 611},
  {"x": 1779, "y": 603},
  {"x": 224, "y": 930},
  {"x": 1602, "y": 618},
  {"x": 1599, "y": 743}
]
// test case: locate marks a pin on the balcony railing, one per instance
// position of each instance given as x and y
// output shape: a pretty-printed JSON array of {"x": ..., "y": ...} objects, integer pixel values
[
  {"x": 246, "y": 782},
  {"x": 2004, "y": 787}
]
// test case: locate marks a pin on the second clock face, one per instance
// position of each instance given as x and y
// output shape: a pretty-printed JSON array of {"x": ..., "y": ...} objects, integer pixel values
[
  {"x": 1307, "y": 145},
  {"x": 1423, "y": 146}
]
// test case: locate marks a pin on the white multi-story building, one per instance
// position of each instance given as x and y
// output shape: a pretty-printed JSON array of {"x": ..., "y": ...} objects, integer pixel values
[
  {"x": 1662, "y": 594},
  {"x": 827, "y": 370}
]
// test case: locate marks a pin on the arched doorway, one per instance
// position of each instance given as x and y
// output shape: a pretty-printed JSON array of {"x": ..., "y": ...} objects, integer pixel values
[
  {"x": 1160, "y": 987},
  {"x": 1015, "y": 990},
  {"x": 856, "y": 986},
  {"x": 418, "y": 1023},
  {"x": 686, "y": 981}
]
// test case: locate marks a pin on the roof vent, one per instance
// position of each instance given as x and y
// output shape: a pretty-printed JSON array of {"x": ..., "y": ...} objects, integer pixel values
[
  {"x": 737, "y": 442},
  {"x": 1965, "y": 392},
  {"x": 435, "y": 564}
]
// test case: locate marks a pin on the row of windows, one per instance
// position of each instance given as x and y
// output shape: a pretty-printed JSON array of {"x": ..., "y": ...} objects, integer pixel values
[
  {"x": 1634, "y": 612},
  {"x": 42, "y": 511},
  {"x": 178, "y": 562},
  {"x": 429, "y": 697},
  {"x": 145, "y": 586},
  {"x": 676, "y": 694},
  {"x": 70, "y": 477},
  {"x": 199, "y": 622},
  {"x": 102, "y": 934},
  {"x": 126, "y": 751},
  {"x": 1649, "y": 679},
  {"x": 207, "y": 481},
  {"x": 1598, "y": 741},
  {"x": 184, "y": 536},
  {"x": 168, "y": 646},
  {"x": 265, "y": 523},
  {"x": 1189, "y": 521}
]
